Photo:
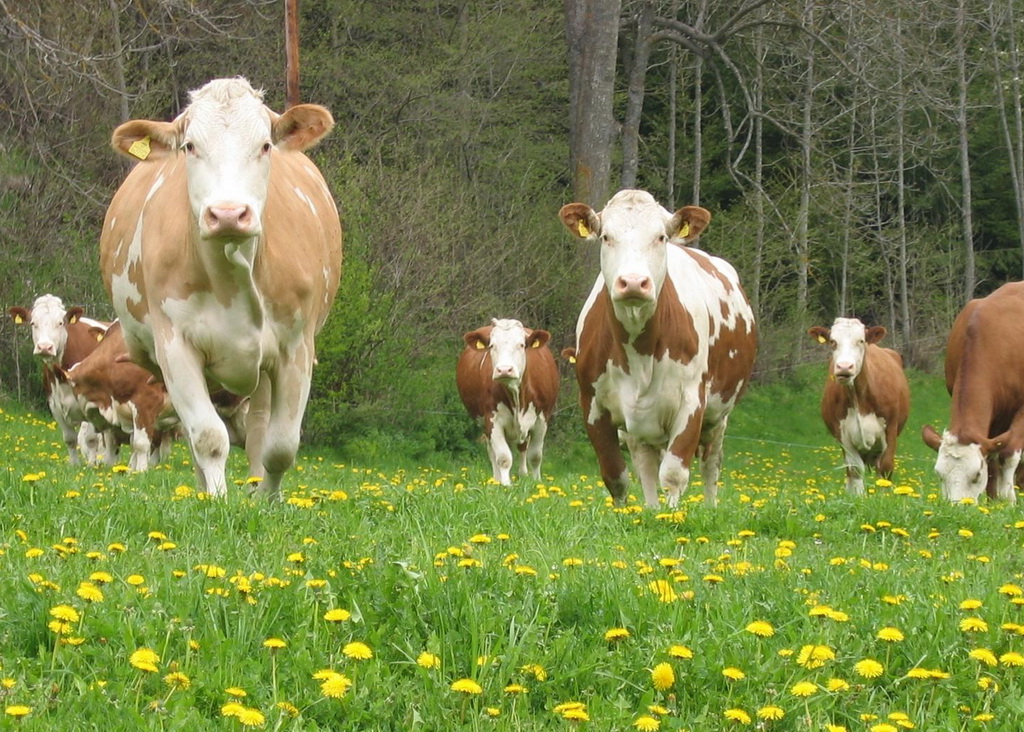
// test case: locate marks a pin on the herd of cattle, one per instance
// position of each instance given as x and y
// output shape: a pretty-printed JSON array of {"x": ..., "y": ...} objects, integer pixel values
[{"x": 221, "y": 253}]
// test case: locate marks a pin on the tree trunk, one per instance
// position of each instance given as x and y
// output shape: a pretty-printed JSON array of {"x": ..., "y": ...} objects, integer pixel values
[
  {"x": 592, "y": 30},
  {"x": 635, "y": 95},
  {"x": 966, "y": 203}
]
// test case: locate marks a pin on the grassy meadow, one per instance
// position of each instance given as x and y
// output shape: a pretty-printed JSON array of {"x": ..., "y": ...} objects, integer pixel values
[{"x": 394, "y": 596}]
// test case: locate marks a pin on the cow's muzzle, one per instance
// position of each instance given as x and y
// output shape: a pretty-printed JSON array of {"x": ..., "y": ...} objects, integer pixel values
[
  {"x": 230, "y": 220},
  {"x": 633, "y": 287}
]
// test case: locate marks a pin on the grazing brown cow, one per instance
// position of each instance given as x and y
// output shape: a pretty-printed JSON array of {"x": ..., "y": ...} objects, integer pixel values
[
  {"x": 508, "y": 380},
  {"x": 866, "y": 400},
  {"x": 117, "y": 394},
  {"x": 665, "y": 345},
  {"x": 61, "y": 338},
  {"x": 981, "y": 448},
  {"x": 221, "y": 252}
]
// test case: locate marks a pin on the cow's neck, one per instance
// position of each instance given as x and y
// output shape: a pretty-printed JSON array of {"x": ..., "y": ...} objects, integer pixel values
[
  {"x": 230, "y": 267},
  {"x": 514, "y": 391}
]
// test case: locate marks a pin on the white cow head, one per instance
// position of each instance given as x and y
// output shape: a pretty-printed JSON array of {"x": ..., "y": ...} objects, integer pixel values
[
  {"x": 507, "y": 341},
  {"x": 227, "y": 136},
  {"x": 634, "y": 231},
  {"x": 49, "y": 322},
  {"x": 962, "y": 467},
  {"x": 848, "y": 338}
]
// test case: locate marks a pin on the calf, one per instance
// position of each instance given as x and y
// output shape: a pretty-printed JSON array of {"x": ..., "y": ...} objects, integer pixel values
[
  {"x": 508, "y": 380},
  {"x": 866, "y": 400},
  {"x": 61, "y": 338},
  {"x": 986, "y": 416},
  {"x": 117, "y": 394},
  {"x": 665, "y": 345}
]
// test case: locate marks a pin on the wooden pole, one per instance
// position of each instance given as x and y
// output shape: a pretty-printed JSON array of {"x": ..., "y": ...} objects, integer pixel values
[{"x": 291, "y": 52}]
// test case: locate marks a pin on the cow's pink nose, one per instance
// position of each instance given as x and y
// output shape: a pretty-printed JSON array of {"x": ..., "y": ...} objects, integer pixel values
[
  {"x": 633, "y": 286},
  {"x": 503, "y": 372},
  {"x": 45, "y": 349},
  {"x": 229, "y": 219}
]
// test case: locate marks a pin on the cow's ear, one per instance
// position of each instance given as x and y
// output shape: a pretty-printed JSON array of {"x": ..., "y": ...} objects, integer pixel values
[
  {"x": 875, "y": 333},
  {"x": 73, "y": 314},
  {"x": 143, "y": 139},
  {"x": 992, "y": 444},
  {"x": 97, "y": 332},
  {"x": 688, "y": 223},
  {"x": 931, "y": 438},
  {"x": 569, "y": 354},
  {"x": 580, "y": 220},
  {"x": 477, "y": 339},
  {"x": 537, "y": 338},
  {"x": 300, "y": 127},
  {"x": 19, "y": 314},
  {"x": 819, "y": 333}
]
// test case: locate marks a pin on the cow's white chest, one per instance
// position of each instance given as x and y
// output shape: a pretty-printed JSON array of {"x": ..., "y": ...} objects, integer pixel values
[
  {"x": 862, "y": 433},
  {"x": 515, "y": 425},
  {"x": 653, "y": 401},
  {"x": 231, "y": 345}
]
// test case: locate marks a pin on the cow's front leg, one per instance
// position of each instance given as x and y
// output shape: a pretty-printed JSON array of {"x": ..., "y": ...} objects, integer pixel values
[
  {"x": 205, "y": 431},
  {"x": 1006, "y": 469},
  {"x": 646, "y": 462},
  {"x": 501, "y": 455},
  {"x": 711, "y": 463},
  {"x": 674, "y": 473},
  {"x": 534, "y": 454},
  {"x": 68, "y": 430},
  {"x": 289, "y": 392},
  {"x": 604, "y": 437},
  {"x": 854, "y": 471}
]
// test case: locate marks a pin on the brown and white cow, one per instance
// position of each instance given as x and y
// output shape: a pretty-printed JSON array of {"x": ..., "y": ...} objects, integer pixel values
[
  {"x": 221, "y": 252},
  {"x": 866, "y": 400},
  {"x": 61, "y": 338},
  {"x": 508, "y": 380},
  {"x": 665, "y": 345},
  {"x": 981, "y": 448},
  {"x": 118, "y": 395}
]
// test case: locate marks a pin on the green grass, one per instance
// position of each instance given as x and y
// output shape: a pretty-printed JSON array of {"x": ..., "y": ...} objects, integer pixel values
[{"x": 509, "y": 586}]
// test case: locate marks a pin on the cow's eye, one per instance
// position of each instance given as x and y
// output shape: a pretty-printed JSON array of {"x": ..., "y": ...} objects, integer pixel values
[
  {"x": 832, "y": 344},
  {"x": 266, "y": 147},
  {"x": 189, "y": 147}
]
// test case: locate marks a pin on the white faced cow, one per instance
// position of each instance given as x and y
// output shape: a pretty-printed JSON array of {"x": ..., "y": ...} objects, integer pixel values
[
  {"x": 981, "y": 448},
  {"x": 866, "y": 400},
  {"x": 61, "y": 338},
  {"x": 508, "y": 380},
  {"x": 222, "y": 252},
  {"x": 665, "y": 345}
]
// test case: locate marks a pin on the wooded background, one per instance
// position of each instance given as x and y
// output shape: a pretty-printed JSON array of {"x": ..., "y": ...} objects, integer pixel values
[{"x": 859, "y": 158}]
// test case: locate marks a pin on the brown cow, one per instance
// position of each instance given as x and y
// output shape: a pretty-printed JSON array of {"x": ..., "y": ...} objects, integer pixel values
[
  {"x": 61, "y": 338},
  {"x": 508, "y": 380},
  {"x": 986, "y": 416},
  {"x": 866, "y": 400},
  {"x": 665, "y": 345}
]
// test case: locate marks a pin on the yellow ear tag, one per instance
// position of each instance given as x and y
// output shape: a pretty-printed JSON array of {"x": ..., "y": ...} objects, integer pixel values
[
  {"x": 480, "y": 345},
  {"x": 684, "y": 230},
  {"x": 582, "y": 229},
  {"x": 572, "y": 359},
  {"x": 99, "y": 337},
  {"x": 536, "y": 344},
  {"x": 821, "y": 339},
  {"x": 140, "y": 148},
  {"x": 73, "y": 320},
  {"x": 18, "y": 319}
]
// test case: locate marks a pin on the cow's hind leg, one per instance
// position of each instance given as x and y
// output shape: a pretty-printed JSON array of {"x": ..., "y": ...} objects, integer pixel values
[
  {"x": 605, "y": 440},
  {"x": 534, "y": 454},
  {"x": 711, "y": 463},
  {"x": 1006, "y": 469},
  {"x": 647, "y": 461}
]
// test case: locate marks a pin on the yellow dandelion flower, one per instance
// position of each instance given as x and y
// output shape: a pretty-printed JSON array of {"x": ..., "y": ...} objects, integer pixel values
[
  {"x": 733, "y": 674},
  {"x": 663, "y": 589},
  {"x": 576, "y": 715},
  {"x": 357, "y": 651},
  {"x": 884, "y": 727},
  {"x": 535, "y": 670},
  {"x": 815, "y": 656},
  {"x": 803, "y": 689},
  {"x": 663, "y": 676},
  {"x": 836, "y": 685},
  {"x": 892, "y": 635},
  {"x": 678, "y": 651},
  {"x": 1012, "y": 659},
  {"x": 869, "y": 668},
  {"x": 1011, "y": 590},
  {"x": 647, "y": 724},
  {"x": 973, "y": 625},
  {"x": 761, "y": 628},
  {"x": 335, "y": 685},
  {"x": 274, "y": 644},
  {"x": 515, "y": 689},
  {"x": 135, "y": 580},
  {"x": 737, "y": 715},
  {"x": 984, "y": 655},
  {"x": 987, "y": 682},
  {"x": 337, "y": 615},
  {"x": 288, "y": 708},
  {"x": 89, "y": 592},
  {"x": 984, "y": 717},
  {"x": 249, "y": 717},
  {"x": 177, "y": 680},
  {"x": 616, "y": 634},
  {"x": 919, "y": 673},
  {"x": 970, "y": 604},
  {"x": 144, "y": 659},
  {"x": 467, "y": 686},
  {"x": 236, "y": 691},
  {"x": 771, "y": 713},
  {"x": 18, "y": 711},
  {"x": 428, "y": 660},
  {"x": 492, "y": 711},
  {"x": 65, "y": 613},
  {"x": 835, "y": 728}
]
